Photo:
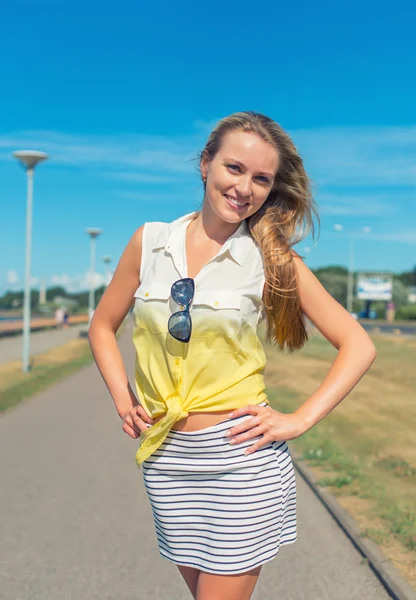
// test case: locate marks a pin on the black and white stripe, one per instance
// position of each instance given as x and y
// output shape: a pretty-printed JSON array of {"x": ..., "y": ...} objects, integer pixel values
[{"x": 216, "y": 509}]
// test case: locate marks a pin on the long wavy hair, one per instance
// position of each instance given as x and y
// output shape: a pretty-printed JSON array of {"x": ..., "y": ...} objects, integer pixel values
[{"x": 285, "y": 218}]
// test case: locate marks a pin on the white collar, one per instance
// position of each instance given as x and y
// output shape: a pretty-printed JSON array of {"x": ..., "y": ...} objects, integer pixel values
[{"x": 238, "y": 244}]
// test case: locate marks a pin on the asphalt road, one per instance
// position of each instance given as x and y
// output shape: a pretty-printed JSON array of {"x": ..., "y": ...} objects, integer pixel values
[
  {"x": 76, "y": 523},
  {"x": 389, "y": 328},
  {"x": 40, "y": 341}
]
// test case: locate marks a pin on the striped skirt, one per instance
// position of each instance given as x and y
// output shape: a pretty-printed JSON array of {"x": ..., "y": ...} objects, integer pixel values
[{"x": 214, "y": 508}]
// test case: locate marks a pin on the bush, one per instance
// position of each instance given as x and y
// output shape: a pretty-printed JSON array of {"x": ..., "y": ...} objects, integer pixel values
[{"x": 407, "y": 312}]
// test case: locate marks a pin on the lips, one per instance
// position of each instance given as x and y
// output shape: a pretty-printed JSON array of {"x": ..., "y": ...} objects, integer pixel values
[{"x": 235, "y": 203}]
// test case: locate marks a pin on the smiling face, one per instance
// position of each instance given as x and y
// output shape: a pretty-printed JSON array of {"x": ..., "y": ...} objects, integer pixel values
[{"x": 240, "y": 176}]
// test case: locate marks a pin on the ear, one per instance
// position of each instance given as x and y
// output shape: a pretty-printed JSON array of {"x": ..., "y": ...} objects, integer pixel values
[{"x": 203, "y": 165}]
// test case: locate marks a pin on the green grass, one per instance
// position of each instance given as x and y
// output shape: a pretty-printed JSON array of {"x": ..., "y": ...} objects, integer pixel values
[
  {"x": 351, "y": 468},
  {"x": 47, "y": 369},
  {"x": 41, "y": 377}
]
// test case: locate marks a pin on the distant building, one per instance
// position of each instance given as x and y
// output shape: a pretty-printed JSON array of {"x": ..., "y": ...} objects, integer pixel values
[{"x": 64, "y": 301}]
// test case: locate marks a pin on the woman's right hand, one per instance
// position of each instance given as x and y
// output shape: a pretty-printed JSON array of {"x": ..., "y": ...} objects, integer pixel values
[{"x": 134, "y": 421}]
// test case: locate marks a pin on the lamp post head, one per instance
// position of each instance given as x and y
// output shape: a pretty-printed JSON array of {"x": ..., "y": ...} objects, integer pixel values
[
  {"x": 93, "y": 232},
  {"x": 30, "y": 158},
  {"x": 107, "y": 259}
]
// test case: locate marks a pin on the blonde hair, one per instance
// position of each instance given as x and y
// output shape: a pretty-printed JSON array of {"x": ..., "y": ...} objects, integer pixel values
[{"x": 285, "y": 218}]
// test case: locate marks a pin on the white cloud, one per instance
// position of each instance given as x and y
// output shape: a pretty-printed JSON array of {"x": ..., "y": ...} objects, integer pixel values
[
  {"x": 12, "y": 277},
  {"x": 359, "y": 155},
  {"x": 61, "y": 280},
  {"x": 78, "y": 283},
  {"x": 142, "y": 177},
  {"x": 334, "y": 155},
  {"x": 354, "y": 207},
  {"x": 405, "y": 237},
  {"x": 157, "y": 153},
  {"x": 162, "y": 197},
  {"x": 360, "y": 204},
  {"x": 345, "y": 157}
]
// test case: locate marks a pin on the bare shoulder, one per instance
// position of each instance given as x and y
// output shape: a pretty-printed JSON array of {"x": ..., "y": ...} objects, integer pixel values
[
  {"x": 138, "y": 234},
  {"x": 308, "y": 284},
  {"x": 119, "y": 295},
  {"x": 135, "y": 245},
  {"x": 302, "y": 269}
]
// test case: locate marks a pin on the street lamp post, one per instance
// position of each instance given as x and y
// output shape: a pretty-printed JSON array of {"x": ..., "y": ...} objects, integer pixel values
[
  {"x": 93, "y": 233},
  {"x": 28, "y": 159},
  {"x": 350, "y": 277},
  {"x": 107, "y": 261}
]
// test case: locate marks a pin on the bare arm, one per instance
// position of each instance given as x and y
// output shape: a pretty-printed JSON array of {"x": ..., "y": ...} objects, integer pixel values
[
  {"x": 356, "y": 351},
  {"x": 108, "y": 316}
]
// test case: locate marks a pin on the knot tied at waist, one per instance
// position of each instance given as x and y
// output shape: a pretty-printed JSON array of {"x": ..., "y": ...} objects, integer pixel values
[{"x": 154, "y": 436}]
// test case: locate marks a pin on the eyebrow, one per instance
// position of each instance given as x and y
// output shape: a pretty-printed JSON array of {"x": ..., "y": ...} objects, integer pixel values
[{"x": 243, "y": 165}]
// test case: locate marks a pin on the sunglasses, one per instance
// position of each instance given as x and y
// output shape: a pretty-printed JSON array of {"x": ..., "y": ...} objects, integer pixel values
[{"x": 180, "y": 323}]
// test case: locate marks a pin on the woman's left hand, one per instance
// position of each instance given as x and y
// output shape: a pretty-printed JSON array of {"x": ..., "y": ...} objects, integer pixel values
[{"x": 271, "y": 424}]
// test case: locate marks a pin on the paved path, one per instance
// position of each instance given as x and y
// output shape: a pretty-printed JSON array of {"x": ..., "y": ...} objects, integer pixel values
[
  {"x": 77, "y": 524},
  {"x": 40, "y": 341}
]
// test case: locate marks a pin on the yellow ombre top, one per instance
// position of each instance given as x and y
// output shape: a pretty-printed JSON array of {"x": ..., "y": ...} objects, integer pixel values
[{"x": 222, "y": 366}]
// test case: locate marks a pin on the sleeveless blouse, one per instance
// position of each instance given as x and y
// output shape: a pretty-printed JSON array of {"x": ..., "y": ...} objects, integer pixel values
[{"x": 222, "y": 366}]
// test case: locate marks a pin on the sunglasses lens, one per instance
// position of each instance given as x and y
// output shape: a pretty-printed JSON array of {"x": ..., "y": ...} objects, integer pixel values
[
  {"x": 183, "y": 291},
  {"x": 179, "y": 326}
]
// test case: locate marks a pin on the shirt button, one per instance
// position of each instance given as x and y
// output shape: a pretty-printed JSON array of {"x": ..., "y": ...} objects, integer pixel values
[
  {"x": 146, "y": 294},
  {"x": 177, "y": 361},
  {"x": 216, "y": 303}
]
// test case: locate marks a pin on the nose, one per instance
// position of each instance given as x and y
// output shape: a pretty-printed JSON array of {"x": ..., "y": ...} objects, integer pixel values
[{"x": 243, "y": 188}]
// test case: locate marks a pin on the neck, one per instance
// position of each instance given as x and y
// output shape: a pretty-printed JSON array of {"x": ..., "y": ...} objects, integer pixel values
[{"x": 210, "y": 225}]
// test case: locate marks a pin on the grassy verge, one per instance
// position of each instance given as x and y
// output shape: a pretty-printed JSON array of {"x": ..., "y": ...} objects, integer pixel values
[
  {"x": 364, "y": 451},
  {"x": 47, "y": 369}
]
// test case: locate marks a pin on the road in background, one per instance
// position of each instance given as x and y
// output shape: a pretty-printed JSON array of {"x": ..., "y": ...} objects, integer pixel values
[
  {"x": 40, "y": 341},
  {"x": 79, "y": 524}
]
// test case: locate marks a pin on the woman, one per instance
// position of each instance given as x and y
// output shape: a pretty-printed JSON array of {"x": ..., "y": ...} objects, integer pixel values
[{"x": 214, "y": 456}]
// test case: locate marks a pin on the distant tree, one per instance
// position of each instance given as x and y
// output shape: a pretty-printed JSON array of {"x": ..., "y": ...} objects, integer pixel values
[
  {"x": 331, "y": 270},
  {"x": 11, "y": 299},
  {"x": 408, "y": 278},
  {"x": 55, "y": 291},
  {"x": 334, "y": 283},
  {"x": 15, "y": 299},
  {"x": 400, "y": 293}
]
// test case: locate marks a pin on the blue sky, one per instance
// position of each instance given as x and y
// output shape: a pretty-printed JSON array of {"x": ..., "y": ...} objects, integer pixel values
[{"x": 123, "y": 96}]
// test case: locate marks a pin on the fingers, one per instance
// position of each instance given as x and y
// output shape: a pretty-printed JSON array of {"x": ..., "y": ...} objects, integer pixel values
[
  {"x": 130, "y": 431},
  {"x": 259, "y": 412},
  {"x": 135, "y": 421},
  {"x": 244, "y": 426},
  {"x": 259, "y": 425},
  {"x": 143, "y": 414},
  {"x": 250, "y": 409},
  {"x": 256, "y": 446},
  {"x": 248, "y": 435}
]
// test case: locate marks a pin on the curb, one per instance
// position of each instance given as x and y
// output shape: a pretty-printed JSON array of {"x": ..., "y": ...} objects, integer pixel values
[{"x": 390, "y": 578}]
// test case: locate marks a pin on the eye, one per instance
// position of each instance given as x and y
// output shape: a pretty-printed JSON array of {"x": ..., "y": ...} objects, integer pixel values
[
  {"x": 263, "y": 178},
  {"x": 236, "y": 168}
]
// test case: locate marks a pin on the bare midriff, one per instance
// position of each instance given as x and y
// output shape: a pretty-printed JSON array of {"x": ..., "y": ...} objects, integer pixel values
[{"x": 198, "y": 420}]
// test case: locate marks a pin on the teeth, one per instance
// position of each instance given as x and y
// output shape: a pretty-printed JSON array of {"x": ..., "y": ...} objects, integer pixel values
[{"x": 236, "y": 202}]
